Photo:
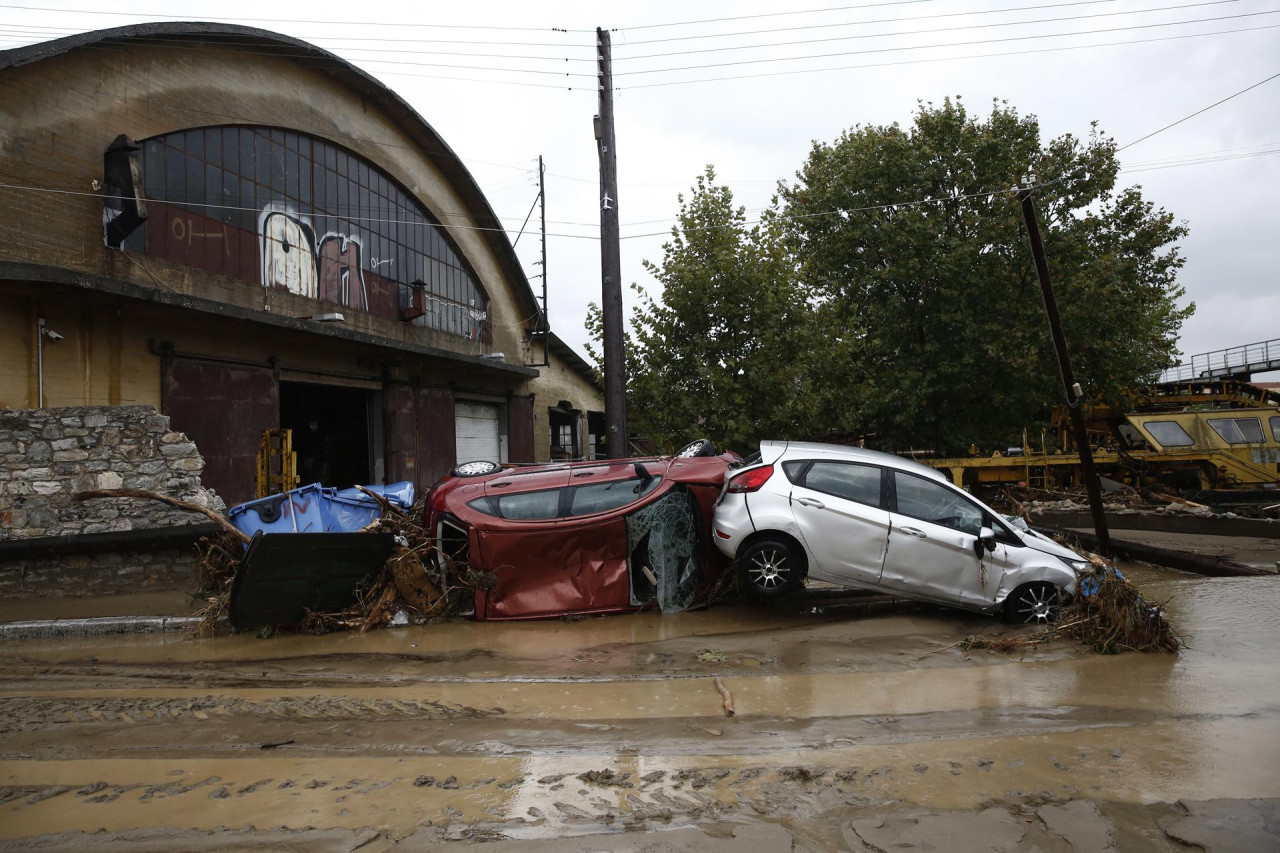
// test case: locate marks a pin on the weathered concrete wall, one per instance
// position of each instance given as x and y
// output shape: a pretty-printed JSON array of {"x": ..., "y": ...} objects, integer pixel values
[{"x": 47, "y": 455}]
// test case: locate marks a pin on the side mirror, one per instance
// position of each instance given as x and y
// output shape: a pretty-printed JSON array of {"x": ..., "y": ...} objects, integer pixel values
[{"x": 986, "y": 540}]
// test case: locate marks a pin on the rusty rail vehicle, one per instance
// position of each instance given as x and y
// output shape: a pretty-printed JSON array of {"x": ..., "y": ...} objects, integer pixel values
[{"x": 1201, "y": 434}]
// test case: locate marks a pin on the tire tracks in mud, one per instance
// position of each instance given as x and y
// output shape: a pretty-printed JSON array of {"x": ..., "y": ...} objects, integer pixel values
[{"x": 37, "y": 713}]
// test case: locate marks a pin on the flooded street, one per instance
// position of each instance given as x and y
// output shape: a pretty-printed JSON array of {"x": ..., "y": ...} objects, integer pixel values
[{"x": 854, "y": 730}]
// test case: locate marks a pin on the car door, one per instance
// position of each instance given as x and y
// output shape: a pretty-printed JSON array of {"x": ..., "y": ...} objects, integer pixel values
[
  {"x": 933, "y": 532},
  {"x": 838, "y": 507}
]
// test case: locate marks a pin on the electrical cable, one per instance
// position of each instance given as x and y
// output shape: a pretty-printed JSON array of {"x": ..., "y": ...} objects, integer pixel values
[
  {"x": 1197, "y": 112},
  {"x": 840, "y": 212},
  {"x": 769, "y": 15},
  {"x": 345, "y": 23},
  {"x": 71, "y": 31},
  {"x": 774, "y": 30},
  {"x": 238, "y": 119},
  {"x": 949, "y": 44},
  {"x": 367, "y": 219},
  {"x": 927, "y": 60},
  {"x": 1056, "y": 20},
  {"x": 303, "y": 53}
]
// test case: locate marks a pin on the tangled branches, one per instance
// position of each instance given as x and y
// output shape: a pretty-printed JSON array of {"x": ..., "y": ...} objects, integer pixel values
[{"x": 1110, "y": 615}]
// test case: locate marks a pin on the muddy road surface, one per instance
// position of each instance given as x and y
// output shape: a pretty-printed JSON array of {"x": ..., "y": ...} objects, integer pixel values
[{"x": 853, "y": 731}]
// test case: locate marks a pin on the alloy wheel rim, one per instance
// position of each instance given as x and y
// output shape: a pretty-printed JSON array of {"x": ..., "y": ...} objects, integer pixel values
[
  {"x": 1037, "y": 604},
  {"x": 769, "y": 570}
]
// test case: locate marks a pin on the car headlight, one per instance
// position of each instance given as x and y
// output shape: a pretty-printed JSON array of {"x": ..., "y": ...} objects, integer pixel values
[{"x": 1078, "y": 565}]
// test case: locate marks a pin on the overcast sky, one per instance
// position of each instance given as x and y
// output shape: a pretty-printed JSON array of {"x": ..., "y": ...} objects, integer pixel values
[{"x": 1123, "y": 67}]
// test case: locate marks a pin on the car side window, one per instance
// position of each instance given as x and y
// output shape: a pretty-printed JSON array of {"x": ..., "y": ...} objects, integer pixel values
[
  {"x": 602, "y": 497},
  {"x": 935, "y": 503},
  {"x": 529, "y": 506},
  {"x": 849, "y": 480}
]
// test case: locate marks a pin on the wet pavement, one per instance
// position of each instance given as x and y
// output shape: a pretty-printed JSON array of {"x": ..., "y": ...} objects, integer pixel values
[{"x": 852, "y": 732}]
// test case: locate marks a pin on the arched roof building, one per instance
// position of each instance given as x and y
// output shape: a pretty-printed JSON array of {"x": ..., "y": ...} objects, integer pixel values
[{"x": 250, "y": 233}]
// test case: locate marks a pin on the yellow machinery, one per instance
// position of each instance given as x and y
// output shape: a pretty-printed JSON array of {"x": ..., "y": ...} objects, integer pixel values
[
  {"x": 277, "y": 463},
  {"x": 1205, "y": 434}
]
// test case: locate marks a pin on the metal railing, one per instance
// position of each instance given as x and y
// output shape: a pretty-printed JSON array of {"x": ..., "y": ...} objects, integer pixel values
[{"x": 1233, "y": 361}]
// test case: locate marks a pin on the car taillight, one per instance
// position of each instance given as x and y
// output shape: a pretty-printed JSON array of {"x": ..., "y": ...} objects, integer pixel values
[{"x": 750, "y": 481}]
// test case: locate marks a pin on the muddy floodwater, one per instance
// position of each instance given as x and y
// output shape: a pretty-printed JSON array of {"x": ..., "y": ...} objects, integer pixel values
[{"x": 854, "y": 730}]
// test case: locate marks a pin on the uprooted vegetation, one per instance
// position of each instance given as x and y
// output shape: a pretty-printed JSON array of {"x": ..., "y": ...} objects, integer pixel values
[{"x": 1108, "y": 615}]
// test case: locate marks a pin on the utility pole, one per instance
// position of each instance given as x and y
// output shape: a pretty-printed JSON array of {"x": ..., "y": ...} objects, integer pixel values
[
  {"x": 542, "y": 208},
  {"x": 615, "y": 367},
  {"x": 1074, "y": 394}
]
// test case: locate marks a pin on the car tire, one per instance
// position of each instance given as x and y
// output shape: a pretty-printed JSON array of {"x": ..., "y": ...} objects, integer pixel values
[
  {"x": 478, "y": 468},
  {"x": 700, "y": 447},
  {"x": 770, "y": 568},
  {"x": 1036, "y": 603}
]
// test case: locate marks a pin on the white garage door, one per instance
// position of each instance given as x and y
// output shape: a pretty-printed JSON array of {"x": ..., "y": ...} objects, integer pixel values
[{"x": 478, "y": 433}]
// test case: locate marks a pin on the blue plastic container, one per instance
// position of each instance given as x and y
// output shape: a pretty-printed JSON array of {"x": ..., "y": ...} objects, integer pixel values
[
  {"x": 296, "y": 511},
  {"x": 400, "y": 494},
  {"x": 316, "y": 509}
]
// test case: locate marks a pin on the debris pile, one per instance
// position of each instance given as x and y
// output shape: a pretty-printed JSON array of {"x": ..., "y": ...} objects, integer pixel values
[
  {"x": 1117, "y": 498},
  {"x": 1109, "y": 615},
  {"x": 417, "y": 584}
]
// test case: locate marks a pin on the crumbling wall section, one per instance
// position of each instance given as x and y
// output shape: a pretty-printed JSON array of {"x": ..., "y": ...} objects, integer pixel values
[{"x": 47, "y": 455}]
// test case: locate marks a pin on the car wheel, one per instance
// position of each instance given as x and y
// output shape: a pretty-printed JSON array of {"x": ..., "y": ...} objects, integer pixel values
[
  {"x": 770, "y": 568},
  {"x": 701, "y": 447},
  {"x": 476, "y": 469},
  {"x": 1033, "y": 604}
]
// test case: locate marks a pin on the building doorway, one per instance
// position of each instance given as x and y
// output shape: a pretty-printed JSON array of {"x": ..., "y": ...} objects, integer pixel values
[
  {"x": 331, "y": 432},
  {"x": 478, "y": 432},
  {"x": 564, "y": 432}
]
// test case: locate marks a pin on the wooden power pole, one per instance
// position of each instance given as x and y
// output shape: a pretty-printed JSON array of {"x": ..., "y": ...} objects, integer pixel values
[
  {"x": 1074, "y": 395},
  {"x": 615, "y": 367}
]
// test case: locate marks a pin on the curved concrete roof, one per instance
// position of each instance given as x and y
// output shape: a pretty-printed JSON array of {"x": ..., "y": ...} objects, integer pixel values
[{"x": 396, "y": 108}]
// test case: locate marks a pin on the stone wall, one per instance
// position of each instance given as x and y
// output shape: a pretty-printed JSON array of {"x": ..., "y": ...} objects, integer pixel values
[{"x": 47, "y": 455}]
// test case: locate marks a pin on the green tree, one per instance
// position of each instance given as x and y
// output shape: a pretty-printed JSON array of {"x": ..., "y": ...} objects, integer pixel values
[
  {"x": 910, "y": 245},
  {"x": 715, "y": 354}
]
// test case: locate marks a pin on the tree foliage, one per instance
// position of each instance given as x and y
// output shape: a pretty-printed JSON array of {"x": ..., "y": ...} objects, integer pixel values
[
  {"x": 714, "y": 356},
  {"x": 891, "y": 292}
]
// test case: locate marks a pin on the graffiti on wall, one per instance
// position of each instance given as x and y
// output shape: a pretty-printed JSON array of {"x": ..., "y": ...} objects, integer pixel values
[{"x": 328, "y": 269}]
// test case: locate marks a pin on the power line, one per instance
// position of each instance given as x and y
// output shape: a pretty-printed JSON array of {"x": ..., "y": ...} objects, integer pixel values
[
  {"x": 928, "y": 60},
  {"x": 770, "y": 15},
  {"x": 949, "y": 44},
  {"x": 295, "y": 52},
  {"x": 421, "y": 221},
  {"x": 69, "y": 31},
  {"x": 1056, "y": 20},
  {"x": 343, "y": 23},
  {"x": 1197, "y": 112},
  {"x": 300, "y": 52},
  {"x": 53, "y": 191},
  {"x": 437, "y": 152},
  {"x": 774, "y": 30}
]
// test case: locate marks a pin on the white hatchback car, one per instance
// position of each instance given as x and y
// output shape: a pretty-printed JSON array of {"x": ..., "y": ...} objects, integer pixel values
[{"x": 867, "y": 519}]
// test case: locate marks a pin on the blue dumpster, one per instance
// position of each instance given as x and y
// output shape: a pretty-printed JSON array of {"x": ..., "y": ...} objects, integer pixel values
[{"x": 316, "y": 509}]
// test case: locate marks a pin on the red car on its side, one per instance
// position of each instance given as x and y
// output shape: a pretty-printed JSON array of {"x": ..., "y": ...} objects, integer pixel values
[{"x": 607, "y": 536}]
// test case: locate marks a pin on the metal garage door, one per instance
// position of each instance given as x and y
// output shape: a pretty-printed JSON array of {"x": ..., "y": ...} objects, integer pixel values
[{"x": 478, "y": 432}]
